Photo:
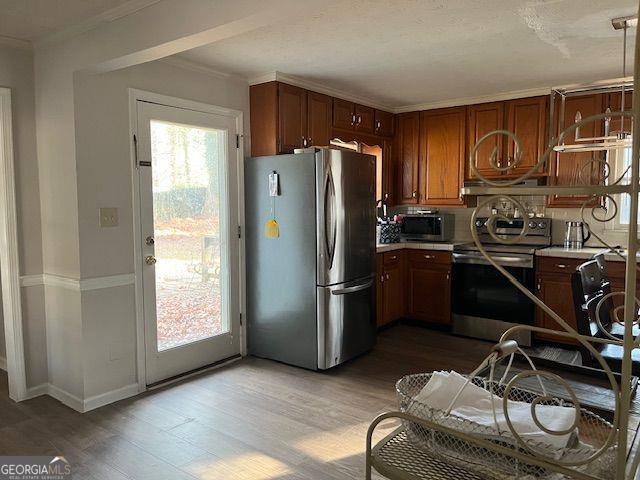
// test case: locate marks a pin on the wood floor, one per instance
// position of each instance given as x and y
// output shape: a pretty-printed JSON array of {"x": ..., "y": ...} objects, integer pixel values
[{"x": 255, "y": 419}]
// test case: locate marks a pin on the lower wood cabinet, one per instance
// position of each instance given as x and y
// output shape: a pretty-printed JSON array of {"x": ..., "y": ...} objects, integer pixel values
[
  {"x": 428, "y": 282},
  {"x": 415, "y": 284},
  {"x": 553, "y": 287},
  {"x": 390, "y": 293}
]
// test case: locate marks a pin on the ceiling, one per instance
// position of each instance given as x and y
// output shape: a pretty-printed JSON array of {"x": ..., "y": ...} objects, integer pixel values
[
  {"x": 400, "y": 53},
  {"x": 33, "y": 19}
]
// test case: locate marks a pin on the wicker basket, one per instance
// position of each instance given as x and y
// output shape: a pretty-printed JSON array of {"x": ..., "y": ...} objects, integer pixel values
[{"x": 593, "y": 432}]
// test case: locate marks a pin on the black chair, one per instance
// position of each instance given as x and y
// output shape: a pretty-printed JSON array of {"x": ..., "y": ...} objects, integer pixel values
[
  {"x": 586, "y": 279},
  {"x": 595, "y": 280}
]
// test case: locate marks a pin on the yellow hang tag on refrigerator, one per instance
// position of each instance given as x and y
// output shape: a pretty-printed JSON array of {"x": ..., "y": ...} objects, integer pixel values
[{"x": 271, "y": 229}]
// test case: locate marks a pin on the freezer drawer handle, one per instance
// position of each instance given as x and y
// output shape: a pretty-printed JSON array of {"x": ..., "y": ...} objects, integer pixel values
[{"x": 355, "y": 288}]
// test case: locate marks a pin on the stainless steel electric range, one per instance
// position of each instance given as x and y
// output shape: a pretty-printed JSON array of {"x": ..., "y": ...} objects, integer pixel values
[{"x": 484, "y": 303}]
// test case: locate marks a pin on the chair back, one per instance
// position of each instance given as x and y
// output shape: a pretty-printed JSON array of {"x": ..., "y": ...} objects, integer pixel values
[{"x": 595, "y": 284}]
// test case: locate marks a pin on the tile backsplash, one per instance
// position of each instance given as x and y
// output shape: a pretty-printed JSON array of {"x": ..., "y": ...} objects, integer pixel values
[{"x": 558, "y": 215}]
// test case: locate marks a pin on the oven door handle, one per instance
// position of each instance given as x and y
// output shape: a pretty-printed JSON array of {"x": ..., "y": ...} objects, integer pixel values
[{"x": 504, "y": 260}]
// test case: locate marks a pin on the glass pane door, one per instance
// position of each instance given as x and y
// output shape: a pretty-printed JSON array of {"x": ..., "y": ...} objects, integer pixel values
[{"x": 186, "y": 219}]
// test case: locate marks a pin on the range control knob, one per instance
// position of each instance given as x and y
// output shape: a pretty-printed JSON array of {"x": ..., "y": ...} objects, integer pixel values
[
  {"x": 532, "y": 224},
  {"x": 479, "y": 223},
  {"x": 542, "y": 225}
]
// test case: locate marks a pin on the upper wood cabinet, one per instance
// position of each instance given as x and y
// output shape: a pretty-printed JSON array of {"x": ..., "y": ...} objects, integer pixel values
[
  {"x": 442, "y": 153},
  {"x": 318, "y": 119},
  {"x": 285, "y": 117},
  {"x": 576, "y": 168},
  {"x": 351, "y": 116},
  {"x": 383, "y": 123},
  {"x": 526, "y": 117},
  {"x": 292, "y": 117},
  {"x": 407, "y": 151},
  {"x": 485, "y": 118},
  {"x": 344, "y": 115}
]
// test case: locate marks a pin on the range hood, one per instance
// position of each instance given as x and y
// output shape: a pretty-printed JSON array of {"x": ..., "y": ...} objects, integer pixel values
[{"x": 610, "y": 140}]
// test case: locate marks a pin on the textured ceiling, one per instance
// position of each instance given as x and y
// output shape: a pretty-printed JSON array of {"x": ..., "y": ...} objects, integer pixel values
[
  {"x": 406, "y": 52},
  {"x": 30, "y": 19}
]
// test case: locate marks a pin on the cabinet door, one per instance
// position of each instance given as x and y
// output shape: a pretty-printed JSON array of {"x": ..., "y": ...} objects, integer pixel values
[
  {"x": 343, "y": 114},
  {"x": 292, "y": 112},
  {"x": 429, "y": 293},
  {"x": 383, "y": 123},
  {"x": 364, "y": 119},
  {"x": 442, "y": 141},
  {"x": 388, "y": 178},
  {"x": 555, "y": 291},
  {"x": 393, "y": 292},
  {"x": 615, "y": 104},
  {"x": 408, "y": 151},
  {"x": 576, "y": 168},
  {"x": 483, "y": 119},
  {"x": 379, "y": 290},
  {"x": 318, "y": 119},
  {"x": 526, "y": 117}
]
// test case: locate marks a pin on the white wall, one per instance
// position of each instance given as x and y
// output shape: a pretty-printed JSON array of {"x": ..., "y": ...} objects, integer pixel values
[
  {"x": 104, "y": 180},
  {"x": 17, "y": 73}
]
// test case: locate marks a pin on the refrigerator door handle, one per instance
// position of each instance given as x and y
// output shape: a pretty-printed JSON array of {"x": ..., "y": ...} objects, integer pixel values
[
  {"x": 330, "y": 219},
  {"x": 354, "y": 288}
]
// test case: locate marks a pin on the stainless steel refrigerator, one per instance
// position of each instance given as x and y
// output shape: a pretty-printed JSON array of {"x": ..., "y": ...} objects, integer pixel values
[{"x": 311, "y": 290}]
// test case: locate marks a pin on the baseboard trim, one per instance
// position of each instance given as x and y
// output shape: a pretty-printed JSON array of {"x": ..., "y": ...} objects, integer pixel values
[
  {"x": 66, "y": 398},
  {"x": 78, "y": 404},
  {"x": 37, "y": 391},
  {"x": 3, "y": 363},
  {"x": 116, "y": 395}
]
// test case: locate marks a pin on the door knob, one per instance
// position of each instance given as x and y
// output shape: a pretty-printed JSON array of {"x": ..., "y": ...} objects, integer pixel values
[{"x": 150, "y": 260}]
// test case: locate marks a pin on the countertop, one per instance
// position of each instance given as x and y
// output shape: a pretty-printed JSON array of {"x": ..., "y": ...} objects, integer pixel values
[
  {"x": 389, "y": 247},
  {"x": 586, "y": 253}
]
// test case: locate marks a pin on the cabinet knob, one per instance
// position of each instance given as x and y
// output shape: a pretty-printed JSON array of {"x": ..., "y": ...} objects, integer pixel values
[
  {"x": 353, "y": 119},
  {"x": 359, "y": 119},
  {"x": 429, "y": 256},
  {"x": 561, "y": 265},
  {"x": 309, "y": 142},
  {"x": 393, "y": 257},
  {"x": 414, "y": 194},
  {"x": 387, "y": 276},
  {"x": 304, "y": 142}
]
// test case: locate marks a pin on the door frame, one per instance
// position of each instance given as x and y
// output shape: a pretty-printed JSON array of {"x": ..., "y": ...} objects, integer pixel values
[
  {"x": 9, "y": 256},
  {"x": 134, "y": 96}
]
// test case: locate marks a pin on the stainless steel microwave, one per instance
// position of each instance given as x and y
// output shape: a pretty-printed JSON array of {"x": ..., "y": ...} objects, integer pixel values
[{"x": 427, "y": 227}]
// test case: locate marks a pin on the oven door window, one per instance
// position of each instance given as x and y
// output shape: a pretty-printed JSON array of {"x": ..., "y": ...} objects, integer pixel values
[{"x": 482, "y": 291}]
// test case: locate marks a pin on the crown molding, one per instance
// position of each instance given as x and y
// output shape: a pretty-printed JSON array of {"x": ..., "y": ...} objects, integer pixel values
[
  {"x": 16, "y": 43},
  {"x": 318, "y": 87},
  {"x": 456, "y": 102},
  {"x": 128, "y": 8},
  {"x": 186, "y": 64}
]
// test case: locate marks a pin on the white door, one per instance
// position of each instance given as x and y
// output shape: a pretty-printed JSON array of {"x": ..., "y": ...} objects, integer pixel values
[{"x": 188, "y": 171}]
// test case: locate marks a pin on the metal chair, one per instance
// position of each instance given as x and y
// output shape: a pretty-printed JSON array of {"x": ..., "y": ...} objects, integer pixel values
[{"x": 589, "y": 288}]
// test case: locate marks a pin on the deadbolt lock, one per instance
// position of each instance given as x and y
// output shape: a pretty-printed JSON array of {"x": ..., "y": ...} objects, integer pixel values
[{"x": 149, "y": 240}]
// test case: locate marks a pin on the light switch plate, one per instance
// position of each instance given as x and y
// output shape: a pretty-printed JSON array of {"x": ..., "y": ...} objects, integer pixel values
[{"x": 108, "y": 217}]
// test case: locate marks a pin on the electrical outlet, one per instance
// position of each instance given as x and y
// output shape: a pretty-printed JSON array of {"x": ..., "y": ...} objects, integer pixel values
[{"x": 108, "y": 217}]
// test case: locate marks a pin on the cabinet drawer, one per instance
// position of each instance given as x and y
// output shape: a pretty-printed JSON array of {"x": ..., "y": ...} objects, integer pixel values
[
  {"x": 558, "y": 264},
  {"x": 390, "y": 258},
  {"x": 429, "y": 256}
]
